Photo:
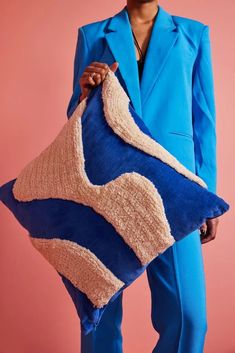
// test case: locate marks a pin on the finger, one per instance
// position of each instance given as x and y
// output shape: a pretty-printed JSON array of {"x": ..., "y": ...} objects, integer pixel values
[
  {"x": 211, "y": 227},
  {"x": 97, "y": 78},
  {"x": 82, "y": 96},
  {"x": 99, "y": 64},
  {"x": 214, "y": 220},
  {"x": 86, "y": 88},
  {"x": 114, "y": 66},
  {"x": 203, "y": 228},
  {"x": 86, "y": 79},
  {"x": 97, "y": 70},
  {"x": 210, "y": 233},
  {"x": 207, "y": 239}
]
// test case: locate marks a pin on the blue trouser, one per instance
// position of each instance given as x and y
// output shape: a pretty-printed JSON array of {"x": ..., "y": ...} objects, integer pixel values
[{"x": 178, "y": 296}]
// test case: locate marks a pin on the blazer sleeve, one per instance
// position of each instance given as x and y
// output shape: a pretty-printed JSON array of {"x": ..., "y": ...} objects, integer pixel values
[
  {"x": 81, "y": 60},
  {"x": 204, "y": 113}
]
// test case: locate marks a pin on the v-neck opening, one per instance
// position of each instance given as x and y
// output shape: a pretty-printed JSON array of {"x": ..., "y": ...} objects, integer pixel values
[{"x": 144, "y": 55}]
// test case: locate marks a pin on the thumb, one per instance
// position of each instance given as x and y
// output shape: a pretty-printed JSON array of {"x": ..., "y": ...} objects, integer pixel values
[
  {"x": 203, "y": 228},
  {"x": 84, "y": 93},
  {"x": 114, "y": 66}
]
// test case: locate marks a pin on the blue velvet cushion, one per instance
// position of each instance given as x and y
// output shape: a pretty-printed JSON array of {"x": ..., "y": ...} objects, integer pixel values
[{"x": 104, "y": 199}]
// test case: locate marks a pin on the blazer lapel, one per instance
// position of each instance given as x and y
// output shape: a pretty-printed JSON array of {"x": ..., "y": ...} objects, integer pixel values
[
  {"x": 160, "y": 44},
  {"x": 120, "y": 41}
]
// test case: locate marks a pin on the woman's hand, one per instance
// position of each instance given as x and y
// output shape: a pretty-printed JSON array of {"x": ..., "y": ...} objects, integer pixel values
[
  {"x": 93, "y": 75},
  {"x": 208, "y": 230}
]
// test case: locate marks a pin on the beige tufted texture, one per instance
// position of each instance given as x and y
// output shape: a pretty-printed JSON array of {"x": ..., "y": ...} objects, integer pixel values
[
  {"x": 84, "y": 270},
  {"x": 131, "y": 202}
]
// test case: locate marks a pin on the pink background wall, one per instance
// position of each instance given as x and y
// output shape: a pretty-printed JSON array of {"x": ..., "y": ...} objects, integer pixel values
[{"x": 37, "y": 49}]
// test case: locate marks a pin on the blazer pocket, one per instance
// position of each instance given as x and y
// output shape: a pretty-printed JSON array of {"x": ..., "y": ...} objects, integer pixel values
[{"x": 181, "y": 133}]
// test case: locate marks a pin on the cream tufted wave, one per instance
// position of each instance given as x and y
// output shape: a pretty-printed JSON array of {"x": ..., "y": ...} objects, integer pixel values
[{"x": 59, "y": 172}]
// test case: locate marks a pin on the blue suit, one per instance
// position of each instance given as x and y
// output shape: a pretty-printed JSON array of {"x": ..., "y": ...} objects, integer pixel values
[{"x": 175, "y": 98}]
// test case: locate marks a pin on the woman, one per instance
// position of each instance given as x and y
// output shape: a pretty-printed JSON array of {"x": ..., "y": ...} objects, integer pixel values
[{"x": 164, "y": 64}]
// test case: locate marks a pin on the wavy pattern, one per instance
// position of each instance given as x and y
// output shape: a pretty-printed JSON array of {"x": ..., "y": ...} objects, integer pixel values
[
  {"x": 81, "y": 267},
  {"x": 119, "y": 118},
  {"x": 59, "y": 172}
]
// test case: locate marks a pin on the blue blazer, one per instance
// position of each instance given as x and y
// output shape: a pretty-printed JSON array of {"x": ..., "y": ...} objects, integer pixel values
[{"x": 175, "y": 97}]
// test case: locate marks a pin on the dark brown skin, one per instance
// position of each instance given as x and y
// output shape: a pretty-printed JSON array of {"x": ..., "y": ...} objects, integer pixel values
[
  {"x": 210, "y": 229},
  {"x": 99, "y": 71},
  {"x": 142, "y": 14}
]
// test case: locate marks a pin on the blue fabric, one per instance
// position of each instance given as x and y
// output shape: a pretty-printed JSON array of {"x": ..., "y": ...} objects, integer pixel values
[
  {"x": 175, "y": 97},
  {"x": 107, "y": 156},
  {"x": 178, "y": 312}
]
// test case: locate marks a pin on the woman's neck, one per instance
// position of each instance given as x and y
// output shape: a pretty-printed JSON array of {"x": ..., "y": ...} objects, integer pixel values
[{"x": 141, "y": 12}]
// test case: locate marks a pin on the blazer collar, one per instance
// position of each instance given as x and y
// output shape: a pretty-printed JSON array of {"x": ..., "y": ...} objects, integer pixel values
[{"x": 120, "y": 41}]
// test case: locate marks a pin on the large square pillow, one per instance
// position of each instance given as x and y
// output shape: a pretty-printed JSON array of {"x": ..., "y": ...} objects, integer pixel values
[{"x": 104, "y": 199}]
